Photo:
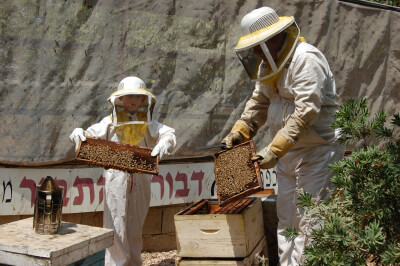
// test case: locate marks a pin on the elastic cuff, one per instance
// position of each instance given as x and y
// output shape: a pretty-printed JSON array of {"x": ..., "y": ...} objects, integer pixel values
[
  {"x": 280, "y": 145},
  {"x": 243, "y": 129}
]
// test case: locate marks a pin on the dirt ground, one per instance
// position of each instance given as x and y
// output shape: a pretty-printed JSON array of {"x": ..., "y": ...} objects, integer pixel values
[{"x": 159, "y": 258}]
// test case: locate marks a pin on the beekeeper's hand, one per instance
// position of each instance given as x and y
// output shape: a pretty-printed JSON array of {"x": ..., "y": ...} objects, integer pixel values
[
  {"x": 164, "y": 146},
  {"x": 240, "y": 132},
  {"x": 266, "y": 158},
  {"x": 77, "y": 136},
  {"x": 233, "y": 139}
]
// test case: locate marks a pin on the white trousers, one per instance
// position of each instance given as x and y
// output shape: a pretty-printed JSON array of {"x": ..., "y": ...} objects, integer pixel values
[
  {"x": 127, "y": 200},
  {"x": 305, "y": 168}
]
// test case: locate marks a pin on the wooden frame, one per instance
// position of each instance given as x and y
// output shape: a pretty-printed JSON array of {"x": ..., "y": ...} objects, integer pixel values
[
  {"x": 142, "y": 152},
  {"x": 205, "y": 206},
  {"x": 258, "y": 186}
]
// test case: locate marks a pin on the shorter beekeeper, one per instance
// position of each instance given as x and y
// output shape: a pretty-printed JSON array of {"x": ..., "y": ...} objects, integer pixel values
[
  {"x": 295, "y": 92},
  {"x": 127, "y": 196}
]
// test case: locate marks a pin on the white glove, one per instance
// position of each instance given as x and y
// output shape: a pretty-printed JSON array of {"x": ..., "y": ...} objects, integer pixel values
[
  {"x": 164, "y": 146},
  {"x": 77, "y": 136}
]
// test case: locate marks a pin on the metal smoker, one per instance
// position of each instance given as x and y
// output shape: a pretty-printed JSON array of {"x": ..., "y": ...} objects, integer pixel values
[{"x": 48, "y": 207}]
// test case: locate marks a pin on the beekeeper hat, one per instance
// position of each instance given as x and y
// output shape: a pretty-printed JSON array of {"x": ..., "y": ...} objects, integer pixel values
[
  {"x": 258, "y": 26},
  {"x": 132, "y": 86}
]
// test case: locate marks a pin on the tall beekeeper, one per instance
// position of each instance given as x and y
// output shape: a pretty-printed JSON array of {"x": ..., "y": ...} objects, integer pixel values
[
  {"x": 127, "y": 196},
  {"x": 295, "y": 92}
]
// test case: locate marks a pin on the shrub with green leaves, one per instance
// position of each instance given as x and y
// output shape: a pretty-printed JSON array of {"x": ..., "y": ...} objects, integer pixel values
[
  {"x": 388, "y": 2},
  {"x": 360, "y": 222}
]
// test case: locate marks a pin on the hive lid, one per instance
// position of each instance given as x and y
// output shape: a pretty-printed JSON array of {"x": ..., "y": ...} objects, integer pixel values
[
  {"x": 236, "y": 175},
  {"x": 124, "y": 157}
]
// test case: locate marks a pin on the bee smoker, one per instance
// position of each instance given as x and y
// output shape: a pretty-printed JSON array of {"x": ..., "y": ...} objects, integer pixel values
[{"x": 48, "y": 207}]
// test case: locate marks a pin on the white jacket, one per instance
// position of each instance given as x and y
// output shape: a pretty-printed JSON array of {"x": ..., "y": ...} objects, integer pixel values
[
  {"x": 105, "y": 130},
  {"x": 306, "y": 89}
]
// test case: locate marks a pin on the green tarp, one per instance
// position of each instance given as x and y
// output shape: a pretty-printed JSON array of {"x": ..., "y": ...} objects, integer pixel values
[{"x": 61, "y": 59}]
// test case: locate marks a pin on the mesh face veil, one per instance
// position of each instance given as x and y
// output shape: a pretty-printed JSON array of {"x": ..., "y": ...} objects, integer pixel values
[
  {"x": 132, "y": 86},
  {"x": 259, "y": 26}
]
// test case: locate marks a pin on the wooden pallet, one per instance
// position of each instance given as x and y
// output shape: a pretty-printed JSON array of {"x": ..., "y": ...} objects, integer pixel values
[
  {"x": 122, "y": 157},
  {"x": 225, "y": 172}
]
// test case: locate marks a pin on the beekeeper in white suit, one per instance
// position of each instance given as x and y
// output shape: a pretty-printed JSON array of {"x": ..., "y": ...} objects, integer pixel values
[
  {"x": 295, "y": 92},
  {"x": 128, "y": 195}
]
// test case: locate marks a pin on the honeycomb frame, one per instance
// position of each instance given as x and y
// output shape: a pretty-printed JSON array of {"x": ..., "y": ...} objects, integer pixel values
[
  {"x": 223, "y": 172},
  {"x": 148, "y": 164}
]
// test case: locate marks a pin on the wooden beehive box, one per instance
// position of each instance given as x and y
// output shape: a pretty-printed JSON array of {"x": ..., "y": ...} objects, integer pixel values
[
  {"x": 251, "y": 260},
  {"x": 202, "y": 232},
  {"x": 109, "y": 154},
  {"x": 236, "y": 176}
]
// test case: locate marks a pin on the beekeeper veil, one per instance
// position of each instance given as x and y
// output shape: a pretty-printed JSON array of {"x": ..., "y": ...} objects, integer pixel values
[
  {"x": 131, "y": 129},
  {"x": 259, "y": 26},
  {"x": 132, "y": 86}
]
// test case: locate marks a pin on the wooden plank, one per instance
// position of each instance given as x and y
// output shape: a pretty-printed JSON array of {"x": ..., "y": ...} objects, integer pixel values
[
  {"x": 153, "y": 222},
  {"x": 186, "y": 262},
  {"x": 253, "y": 223},
  {"x": 268, "y": 202},
  {"x": 260, "y": 250},
  {"x": 270, "y": 227},
  {"x": 71, "y": 243},
  {"x": 158, "y": 243},
  {"x": 91, "y": 247},
  {"x": 75, "y": 218},
  {"x": 197, "y": 207},
  {"x": 234, "y": 207},
  {"x": 250, "y": 260},
  {"x": 92, "y": 218},
  {"x": 21, "y": 259},
  {"x": 192, "y": 209},
  {"x": 168, "y": 225},
  {"x": 242, "y": 205},
  {"x": 5, "y": 219}
]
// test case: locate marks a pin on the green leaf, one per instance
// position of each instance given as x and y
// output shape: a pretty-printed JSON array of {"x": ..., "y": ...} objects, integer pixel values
[
  {"x": 304, "y": 200},
  {"x": 290, "y": 234},
  {"x": 396, "y": 119},
  {"x": 392, "y": 254}
]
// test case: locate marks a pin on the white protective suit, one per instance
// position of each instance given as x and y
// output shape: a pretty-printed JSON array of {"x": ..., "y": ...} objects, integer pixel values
[
  {"x": 127, "y": 196},
  {"x": 295, "y": 92},
  {"x": 305, "y": 89}
]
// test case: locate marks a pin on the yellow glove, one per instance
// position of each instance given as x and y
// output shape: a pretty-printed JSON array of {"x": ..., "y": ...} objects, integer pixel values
[
  {"x": 268, "y": 157},
  {"x": 239, "y": 133},
  {"x": 283, "y": 142}
]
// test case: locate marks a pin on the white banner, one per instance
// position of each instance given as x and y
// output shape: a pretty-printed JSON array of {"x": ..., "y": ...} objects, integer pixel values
[{"x": 84, "y": 187}]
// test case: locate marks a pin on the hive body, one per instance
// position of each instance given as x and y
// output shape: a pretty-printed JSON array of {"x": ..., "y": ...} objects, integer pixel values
[{"x": 216, "y": 235}]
